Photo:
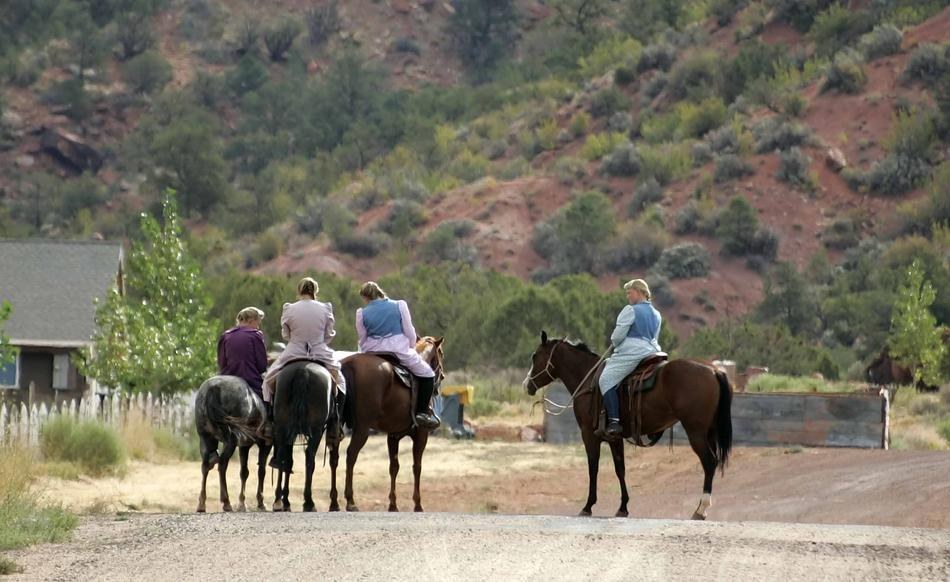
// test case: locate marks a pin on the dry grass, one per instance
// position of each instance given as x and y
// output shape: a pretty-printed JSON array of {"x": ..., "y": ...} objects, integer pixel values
[
  {"x": 917, "y": 420},
  {"x": 144, "y": 442}
]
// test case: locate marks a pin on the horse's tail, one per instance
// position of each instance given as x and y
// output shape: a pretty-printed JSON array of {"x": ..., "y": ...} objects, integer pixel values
[
  {"x": 231, "y": 427},
  {"x": 723, "y": 444},
  {"x": 298, "y": 406},
  {"x": 349, "y": 410}
]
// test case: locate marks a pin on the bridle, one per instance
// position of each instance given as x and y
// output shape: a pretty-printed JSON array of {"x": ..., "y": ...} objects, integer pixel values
[{"x": 561, "y": 408}]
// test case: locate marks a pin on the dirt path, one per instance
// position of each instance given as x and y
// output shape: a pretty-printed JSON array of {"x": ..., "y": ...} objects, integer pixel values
[
  {"x": 447, "y": 547},
  {"x": 898, "y": 488}
]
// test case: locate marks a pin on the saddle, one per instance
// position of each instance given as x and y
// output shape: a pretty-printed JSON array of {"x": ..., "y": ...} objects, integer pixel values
[{"x": 631, "y": 391}]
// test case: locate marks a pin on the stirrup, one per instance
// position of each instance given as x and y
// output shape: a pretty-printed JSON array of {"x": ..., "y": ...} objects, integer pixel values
[{"x": 428, "y": 421}]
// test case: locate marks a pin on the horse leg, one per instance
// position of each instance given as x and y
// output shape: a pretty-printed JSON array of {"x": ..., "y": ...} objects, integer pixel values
[
  {"x": 262, "y": 452},
  {"x": 311, "y": 453},
  {"x": 393, "y": 443},
  {"x": 243, "y": 454},
  {"x": 281, "y": 501},
  {"x": 334, "y": 461},
  {"x": 700, "y": 441},
  {"x": 419, "y": 441},
  {"x": 223, "y": 474},
  {"x": 357, "y": 440},
  {"x": 616, "y": 449},
  {"x": 592, "y": 447},
  {"x": 205, "y": 469}
]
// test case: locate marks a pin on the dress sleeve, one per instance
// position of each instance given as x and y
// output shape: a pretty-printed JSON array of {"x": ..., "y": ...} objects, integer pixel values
[
  {"x": 624, "y": 321},
  {"x": 360, "y": 328},
  {"x": 330, "y": 330},
  {"x": 407, "y": 328},
  {"x": 260, "y": 354},
  {"x": 222, "y": 357},
  {"x": 285, "y": 323}
]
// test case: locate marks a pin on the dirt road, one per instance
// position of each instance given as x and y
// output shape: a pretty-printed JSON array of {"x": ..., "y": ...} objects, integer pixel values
[{"x": 447, "y": 547}]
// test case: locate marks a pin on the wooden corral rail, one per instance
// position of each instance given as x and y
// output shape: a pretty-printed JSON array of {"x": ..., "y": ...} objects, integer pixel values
[
  {"x": 771, "y": 419},
  {"x": 22, "y": 424}
]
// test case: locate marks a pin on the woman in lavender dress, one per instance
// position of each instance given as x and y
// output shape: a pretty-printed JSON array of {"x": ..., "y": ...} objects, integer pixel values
[{"x": 384, "y": 325}]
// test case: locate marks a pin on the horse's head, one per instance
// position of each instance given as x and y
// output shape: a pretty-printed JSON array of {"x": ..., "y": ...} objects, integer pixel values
[
  {"x": 542, "y": 368},
  {"x": 430, "y": 349},
  {"x": 878, "y": 371}
]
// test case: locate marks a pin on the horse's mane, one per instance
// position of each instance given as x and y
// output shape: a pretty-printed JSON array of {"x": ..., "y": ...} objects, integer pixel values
[{"x": 579, "y": 345}]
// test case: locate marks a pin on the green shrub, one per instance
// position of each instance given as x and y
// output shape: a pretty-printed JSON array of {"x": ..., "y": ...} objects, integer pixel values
[
  {"x": 570, "y": 169},
  {"x": 731, "y": 167},
  {"x": 884, "y": 40},
  {"x": 913, "y": 134},
  {"x": 657, "y": 56},
  {"x": 794, "y": 169},
  {"x": 623, "y": 161},
  {"x": 687, "y": 219},
  {"x": 608, "y": 101},
  {"x": 639, "y": 248},
  {"x": 841, "y": 234},
  {"x": 625, "y": 75},
  {"x": 837, "y": 27},
  {"x": 653, "y": 88},
  {"x": 799, "y": 13},
  {"x": 700, "y": 119},
  {"x": 279, "y": 36},
  {"x": 147, "y": 73},
  {"x": 702, "y": 153},
  {"x": 404, "y": 217},
  {"x": 724, "y": 140},
  {"x": 774, "y": 133},
  {"x": 609, "y": 54},
  {"x": 547, "y": 134},
  {"x": 95, "y": 447},
  {"x": 515, "y": 168},
  {"x": 683, "y": 261},
  {"x": 893, "y": 175},
  {"x": 580, "y": 123},
  {"x": 725, "y": 10},
  {"x": 620, "y": 122},
  {"x": 469, "y": 166},
  {"x": 696, "y": 77},
  {"x": 665, "y": 163},
  {"x": 929, "y": 63},
  {"x": 360, "y": 245},
  {"x": 846, "y": 73},
  {"x": 446, "y": 243},
  {"x": 574, "y": 238},
  {"x": 647, "y": 192},
  {"x": 738, "y": 223},
  {"x": 599, "y": 145}
]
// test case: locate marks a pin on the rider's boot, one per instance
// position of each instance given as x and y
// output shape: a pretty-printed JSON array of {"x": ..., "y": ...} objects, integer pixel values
[
  {"x": 424, "y": 417},
  {"x": 612, "y": 405}
]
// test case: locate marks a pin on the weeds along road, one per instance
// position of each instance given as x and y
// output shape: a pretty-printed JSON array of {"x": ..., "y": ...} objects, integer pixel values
[{"x": 446, "y": 547}]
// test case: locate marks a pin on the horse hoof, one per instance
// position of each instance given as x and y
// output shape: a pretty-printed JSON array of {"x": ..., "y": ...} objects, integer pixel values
[
  {"x": 584, "y": 513},
  {"x": 352, "y": 508},
  {"x": 334, "y": 507},
  {"x": 200, "y": 510},
  {"x": 393, "y": 509},
  {"x": 226, "y": 508},
  {"x": 621, "y": 514},
  {"x": 698, "y": 517},
  {"x": 308, "y": 507},
  {"x": 241, "y": 508}
]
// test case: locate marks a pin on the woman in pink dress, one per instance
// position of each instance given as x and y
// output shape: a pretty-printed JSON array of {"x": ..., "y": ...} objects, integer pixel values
[{"x": 384, "y": 325}]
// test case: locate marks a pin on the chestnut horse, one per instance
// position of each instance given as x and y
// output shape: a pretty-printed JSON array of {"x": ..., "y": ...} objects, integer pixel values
[
  {"x": 375, "y": 399},
  {"x": 695, "y": 394}
]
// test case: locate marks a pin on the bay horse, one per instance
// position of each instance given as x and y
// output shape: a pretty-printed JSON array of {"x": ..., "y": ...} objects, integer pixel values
[
  {"x": 377, "y": 400},
  {"x": 228, "y": 411},
  {"x": 885, "y": 371},
  {"x": 693, "y": 393},
  {"x": 301, "y": 407}
]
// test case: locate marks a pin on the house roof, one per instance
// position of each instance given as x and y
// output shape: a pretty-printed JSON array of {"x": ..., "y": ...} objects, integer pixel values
[{"x": 53, "y": 286}]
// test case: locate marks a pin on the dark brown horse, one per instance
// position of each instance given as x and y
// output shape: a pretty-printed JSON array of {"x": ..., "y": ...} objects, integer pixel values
[
  {"x": 301, "y": 407},
  {"x": 695, "y": 394},
  {"x": 376, "y": 399},
  {"x": 885, "y": 371}
]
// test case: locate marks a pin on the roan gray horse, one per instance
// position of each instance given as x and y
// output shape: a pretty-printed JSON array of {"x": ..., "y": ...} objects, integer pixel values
[{"x": 227, "y": 411}]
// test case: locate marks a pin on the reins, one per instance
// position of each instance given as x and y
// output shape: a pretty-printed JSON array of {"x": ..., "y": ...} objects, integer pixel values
[{"x": 562, "y": 408}]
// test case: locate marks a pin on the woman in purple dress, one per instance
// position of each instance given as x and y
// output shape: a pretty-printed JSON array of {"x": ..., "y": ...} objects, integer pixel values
[
  {"x": 241, "y": 350},
  {"x": 384, "y": 325}
]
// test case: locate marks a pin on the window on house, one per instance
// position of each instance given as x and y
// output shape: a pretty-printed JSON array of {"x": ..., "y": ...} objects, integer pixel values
[
  {"x": 10, "y": 374},
  {"x": 61, "y": 371}
]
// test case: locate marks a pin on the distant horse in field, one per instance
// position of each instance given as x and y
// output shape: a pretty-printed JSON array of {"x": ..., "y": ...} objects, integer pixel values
[
  {"x": 376, "y": 399},
  {"x": 695, "y": 394},
  {"x": 301, "y": 407},
  {"x": 885, "y": 371},
  {"x": 227, "y": 411}
]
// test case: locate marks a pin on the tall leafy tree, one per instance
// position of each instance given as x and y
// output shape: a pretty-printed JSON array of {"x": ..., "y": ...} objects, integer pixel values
[
  {"x": 158, "y": 336},
  {"x": 6, "y": 350},
  {"x": 915, "y": 338},
  {"x": 788, "y": 300},
  {"x": 484, "y": 32}
]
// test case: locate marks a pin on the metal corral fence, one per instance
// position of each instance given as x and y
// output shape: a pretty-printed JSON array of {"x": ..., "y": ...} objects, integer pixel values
[
  {"x": 21, "y": 424},
  {"x": 773, "y": 419}
]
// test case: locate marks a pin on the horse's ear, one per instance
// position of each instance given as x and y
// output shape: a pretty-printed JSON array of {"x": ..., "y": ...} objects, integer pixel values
[
  {"x": 544, "y": 337},
  {"x": 439, "y": 340}
]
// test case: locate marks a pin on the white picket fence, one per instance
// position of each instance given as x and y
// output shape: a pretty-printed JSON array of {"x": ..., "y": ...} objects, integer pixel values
[{"x": 22, "y": 424}]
